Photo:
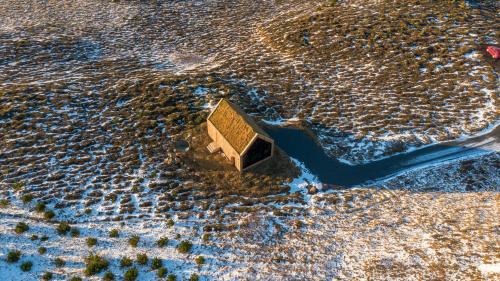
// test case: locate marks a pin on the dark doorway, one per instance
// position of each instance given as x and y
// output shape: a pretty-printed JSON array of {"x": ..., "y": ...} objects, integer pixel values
[{"x": 259, "y": 150}]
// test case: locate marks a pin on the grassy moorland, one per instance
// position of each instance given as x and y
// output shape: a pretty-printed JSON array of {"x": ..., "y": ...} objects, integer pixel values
[{"x": 94, "y": 96}]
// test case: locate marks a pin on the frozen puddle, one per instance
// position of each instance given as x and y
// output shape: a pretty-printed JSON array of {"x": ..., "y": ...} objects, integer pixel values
[{"x": 302, "y": 147}]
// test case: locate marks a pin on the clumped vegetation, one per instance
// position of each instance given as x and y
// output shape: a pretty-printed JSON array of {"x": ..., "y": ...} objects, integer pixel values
[
  {"x": 21, "y": 227},
  {"x": 108, "y": 276},
  {"x": 131, "y": 274},
  {"x": 94, "y": 264},
  {"x": 40, "y": 207},
  {"x": 47, "y": 276},
  {"x": 125, "y": 262},
  {"x": 59, "y": 262},
  {"x": 142, "y": 259},
  {"x": 200, "y": 260},
  {"x": 26, "y": 266},
  {"x": 134, "y": 240},
  {"x": 4, "y": 203},
  {"x": 49, "y": 214},
  {"x": 184, "y": 247},
  {"x": 162, "y": 272},
  {"x": 114, "y": 233},
  {"x": 63, "y": 228},
  {"x": 91, "y": 241},
  {"x": 162, "y": 242},
  {"x": 13, "y": 256},
  {"x": 42, "y": 250},
  {"x": 156, "y": 263},
  {"x": 75, "y": 232}
]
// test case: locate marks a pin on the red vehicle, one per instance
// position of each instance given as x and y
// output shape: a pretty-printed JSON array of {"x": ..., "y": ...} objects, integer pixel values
[{"x": 494, "y": 51}]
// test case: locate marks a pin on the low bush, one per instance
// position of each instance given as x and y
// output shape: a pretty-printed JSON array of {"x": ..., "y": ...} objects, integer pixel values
[
  {"x": 142, "y": 259},
  {"x": 75, "y": 232},
  {"x": 171, "y": 277},
  {"x": 91, "y": 241},
  {"x": 27, "y": 198},
  {"x": 34, "y": 237},
  {"x": 108, "y": 276},
  {"x": 114, "y": 233},
  {"x": 194, "y": 277},
  {"x": 199, "y": 260},
  {"x": 131, "y": 274},
  {"x": 94, "y": 264},
  {"x": 47, "y": 276},
  {"x": 21, "y": 227},
  {"x": 13, "y": 256},
  {"x": 206, "y": 237},
  {"x": 170, "y": 222},
  {"x": 49, "y": 214},
  {"x": 59, "y": 262},
  {"x": 134, "y": 241},
  {"x": 162, "y": 242},
  {"x": 184, "y": 247},
  {"x": 42, "y": 250},
  {"x": 40, "y": 207},
  {"x": 75, "y": 278},
  {"x": 17, "y": 186},
  {"x": 44, "y": 238},
  {"x": 125, "y": 262},
  {"x": 4, "y": 203},
  {"x": 26, "y": 266},
  {"x": 156, "y": 263},
  {"x": 63, "y": 228},
  {"x": 161, "y": 272}
]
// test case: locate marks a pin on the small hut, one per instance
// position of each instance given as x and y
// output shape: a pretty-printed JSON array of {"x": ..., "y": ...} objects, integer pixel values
[{"x": 241, "y": 140}]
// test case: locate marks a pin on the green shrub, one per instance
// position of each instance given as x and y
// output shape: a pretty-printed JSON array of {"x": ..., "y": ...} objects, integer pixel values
[
  {"x": 161, "y": 272},
  {"x": 170, "y": 222},
  {"x": 194, "y": 277},
  {"x": 63, "y": 228},
  {"x": 21, "y": 227},
  {"x": 17, "y": 186},
  {"x": 26, "y": 266},
  {"x": 47, "y": 276},
  {"x": 199, "y": 260},
  {"x": 206, "y": 237},
  {"x": 59, "y": 262},
  {"x": 49, "y": 214},
  {"x": 44, "y": 238},
  {"x": 162, "y": 242},
  {"x": 108, "y": 276},
  {"x": 131, "y": 274},
  {"x": 125, "y": 262},
  {"x": 95, "y": 264},
  {"x": 171, "y": 277},
  {"x": 75, "y": 232},
  {"x": 184, "y": 247},
  {"x": 88, "y": 211},
  {"x": 27, "y": 198},
  {"x": 75, "y": 278},
  {"x": 114, "y": 233},
  {"x": 91, "y": 241},
  {"x": 34, "y": 237},
  {"x": 4, "y": 203},
  {"x": 134, "y": 240},
  {"x": 42, "y": 250},
  {"x": 142, "y": 259},
  {"x": 40, "y": 207},
  {"x": 156, "y": 263},
  {"x": 13, "y": 256}
]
